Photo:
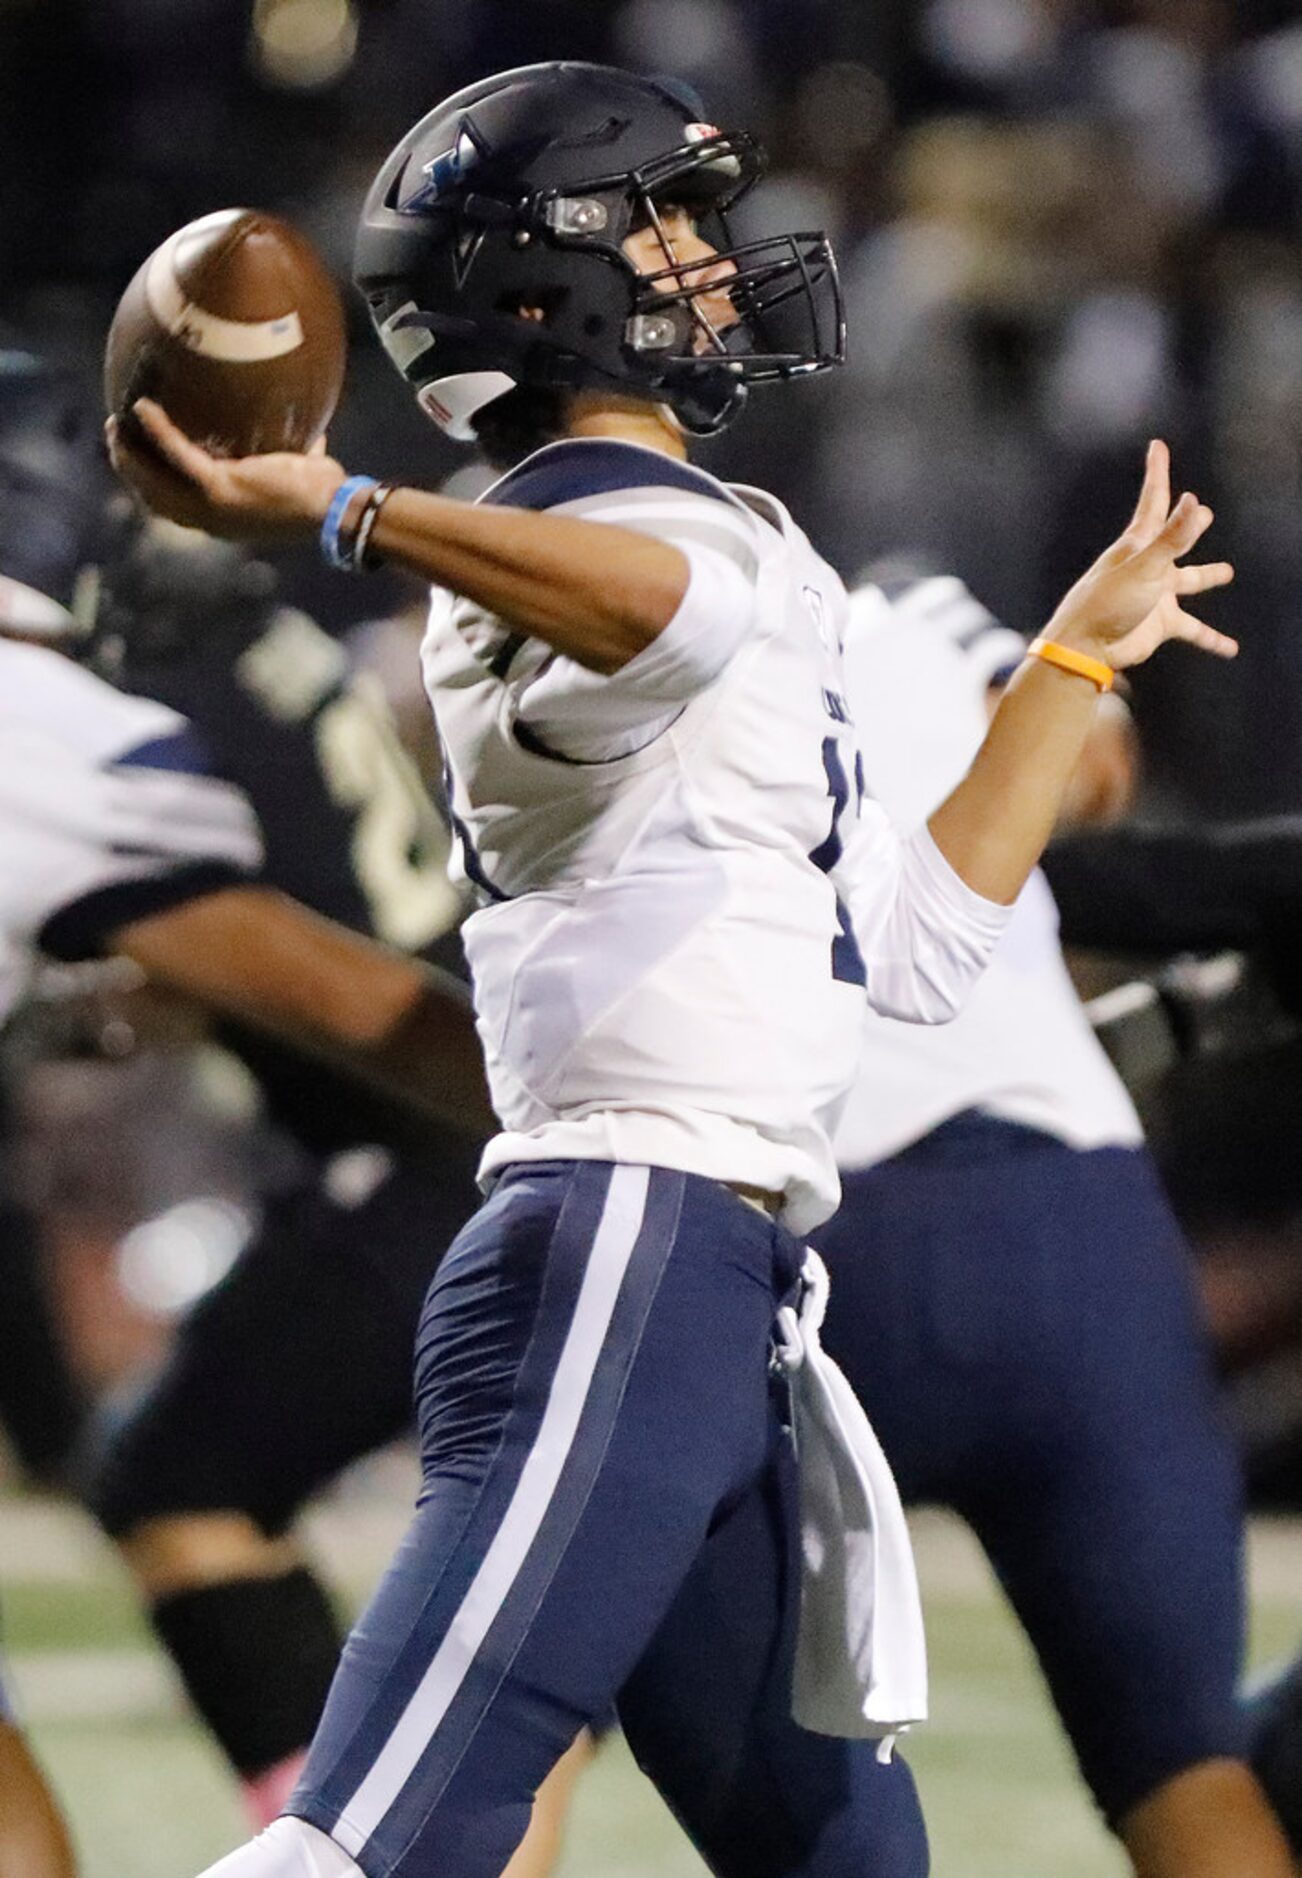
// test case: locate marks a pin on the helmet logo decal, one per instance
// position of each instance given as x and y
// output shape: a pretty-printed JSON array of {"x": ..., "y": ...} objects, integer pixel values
[
  {"x": 444, "y": 173},
  {"x": 447, "y": 170},
  {"x": 468, "y": 243},
  {"x": 701, "y": 133}
]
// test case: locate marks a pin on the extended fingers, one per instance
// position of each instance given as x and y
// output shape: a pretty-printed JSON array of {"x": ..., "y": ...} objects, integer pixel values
[
  {"x": 163, "y": 489},
  {"x": 1194, "y": 632},
  {"x": 1188, "y": 522},
  {"x": 173, "y": 444},
  {"x": 135, "y": 465},
  {"x": 1198, "y": 579},
  {"x": 1154, "y": 496}
]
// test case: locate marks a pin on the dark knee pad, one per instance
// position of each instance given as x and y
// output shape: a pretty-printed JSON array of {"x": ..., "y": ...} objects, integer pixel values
[
  {"x": 1276, "y": 1720},
  {"x": 256, "y": 1656},
  {"x": 296, "y": 1365}
]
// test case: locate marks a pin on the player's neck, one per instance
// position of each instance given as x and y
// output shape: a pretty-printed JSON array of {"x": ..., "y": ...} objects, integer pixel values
[{"x": 628, "y": 420}]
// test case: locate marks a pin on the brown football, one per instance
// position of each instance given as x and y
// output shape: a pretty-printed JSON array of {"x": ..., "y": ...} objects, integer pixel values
[{"x": 236, "y": 328}]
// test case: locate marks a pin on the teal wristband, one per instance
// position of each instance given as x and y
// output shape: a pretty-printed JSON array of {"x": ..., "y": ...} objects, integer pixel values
[{"x": 338, "y": 553}]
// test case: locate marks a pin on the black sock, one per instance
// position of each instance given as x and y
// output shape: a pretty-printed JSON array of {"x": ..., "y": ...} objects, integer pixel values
[
  {"x": 1277, "y": 1749},
  {"x": 41, "y": 1404},
  {"x": 256, "y": 1656}
]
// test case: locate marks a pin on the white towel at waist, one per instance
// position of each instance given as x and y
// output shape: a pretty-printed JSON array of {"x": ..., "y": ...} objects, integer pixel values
[{"x": 861, "y": 1654}]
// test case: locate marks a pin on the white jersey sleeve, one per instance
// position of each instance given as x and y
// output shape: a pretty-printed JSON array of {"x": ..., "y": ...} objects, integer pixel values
[
  {"x": 107, "y": 810},
  {"x": 924, "y": 936},
  {"x": 562, "y": 709}
]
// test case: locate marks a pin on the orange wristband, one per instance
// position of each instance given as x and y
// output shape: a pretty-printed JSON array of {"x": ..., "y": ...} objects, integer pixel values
[{"x": 1068, "y": 661}]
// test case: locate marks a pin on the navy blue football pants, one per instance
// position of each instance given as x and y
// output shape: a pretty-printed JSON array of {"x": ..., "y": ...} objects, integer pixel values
[
  {"x": 607, "y": 1517},
  {"x": 1018, "y": 1320}
]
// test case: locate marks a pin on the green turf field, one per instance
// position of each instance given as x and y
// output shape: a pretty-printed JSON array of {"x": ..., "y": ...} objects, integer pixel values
[{"x": 149, "y": 1799}]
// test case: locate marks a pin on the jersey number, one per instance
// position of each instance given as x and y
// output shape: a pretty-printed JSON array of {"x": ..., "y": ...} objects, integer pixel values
[
  {"x": 399, "y": 847},
  {"x": 847, "y": 960}
]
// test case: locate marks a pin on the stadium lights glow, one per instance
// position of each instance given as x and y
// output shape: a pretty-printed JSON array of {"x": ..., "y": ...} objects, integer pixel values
[{"x": 303, "y": 45}]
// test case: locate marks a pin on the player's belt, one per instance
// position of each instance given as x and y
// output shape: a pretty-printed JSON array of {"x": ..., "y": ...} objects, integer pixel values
[{"x": 759, "y": 1197}]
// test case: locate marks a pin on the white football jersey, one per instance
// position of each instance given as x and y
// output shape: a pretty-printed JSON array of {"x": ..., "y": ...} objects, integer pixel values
[
  {"x": 673, "y": 861},
  {"x": 918, "y": 666},
  {"x": 106, "y": 814}
]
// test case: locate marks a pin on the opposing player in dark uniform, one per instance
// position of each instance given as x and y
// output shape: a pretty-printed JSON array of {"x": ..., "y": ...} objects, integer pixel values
[
  {"x": 297, "y": 1363},
  {"x": 117, "y": 836},
  {"x": 1157, "y": 890}
]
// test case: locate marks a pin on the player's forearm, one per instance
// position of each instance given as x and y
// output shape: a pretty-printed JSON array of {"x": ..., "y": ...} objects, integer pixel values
[
  {"x": 1196, "y": 889},
  {"x": 404, "y": 1031},
  {"x": 431, "y": 1059},
  {"x": 598, "y": 594},
  {"x": 995, "y": 825}
]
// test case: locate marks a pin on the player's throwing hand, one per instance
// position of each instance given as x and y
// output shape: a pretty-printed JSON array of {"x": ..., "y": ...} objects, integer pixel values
[
  {"x": 277, "y": 498},
  {"x": 1129, "y": 602}
]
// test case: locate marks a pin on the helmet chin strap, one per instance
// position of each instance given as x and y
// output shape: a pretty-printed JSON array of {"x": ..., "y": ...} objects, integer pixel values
[{"x": 701, "y": 415}]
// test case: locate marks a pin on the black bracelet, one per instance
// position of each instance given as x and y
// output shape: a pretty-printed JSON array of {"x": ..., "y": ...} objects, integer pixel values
[{"x": 358, "y": 559}]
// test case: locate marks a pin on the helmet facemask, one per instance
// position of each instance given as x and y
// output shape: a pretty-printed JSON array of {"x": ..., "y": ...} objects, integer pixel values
[{"x": 783, "y": 290}]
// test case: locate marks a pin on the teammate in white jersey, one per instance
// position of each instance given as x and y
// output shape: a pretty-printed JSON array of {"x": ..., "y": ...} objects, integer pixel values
[
  {"x": 654, "y": 783},
  {"x": 114, "y": 839},
  {"x": 1013, "y": 1302}
]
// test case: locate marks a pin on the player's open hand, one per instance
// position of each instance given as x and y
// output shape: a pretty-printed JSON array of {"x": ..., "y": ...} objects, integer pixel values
[
  {"x": 282, "y": 497},
  {"x": 1130, "y": 601}
]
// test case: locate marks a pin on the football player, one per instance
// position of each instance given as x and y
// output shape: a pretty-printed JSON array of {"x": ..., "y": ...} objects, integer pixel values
[
  {"x": 636, "y": 676},
  {"x": 51, "y": 457},
  {"x": 298, "y": 1363},
  {"x": 115, "y": 839},
  {"x": 286, "y": 1371},
  {"x": 34, "y": 1840},
  {"x": 1013, "y": 1302}
]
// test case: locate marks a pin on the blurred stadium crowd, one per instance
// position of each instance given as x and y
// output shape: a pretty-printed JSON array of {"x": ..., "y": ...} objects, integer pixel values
[{"x": 1064, "y": 227}]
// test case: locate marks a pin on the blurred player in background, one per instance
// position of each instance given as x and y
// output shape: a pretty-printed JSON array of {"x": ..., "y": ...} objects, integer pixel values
[
  {"x": 652, "y": 778},
  {"x": 298, "y": 1363},
  {"x": 1013, "y": 1301},
  {"x": 34, "y": 1840},
  {"x": 284, "y": 1373},
  {"x": 51, "y": 488},
  {"x": 1229, "y": 1124},
  {"x": 118, "y": 838}
]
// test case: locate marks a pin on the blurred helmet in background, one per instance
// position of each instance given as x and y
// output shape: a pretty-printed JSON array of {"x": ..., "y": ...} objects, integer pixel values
[{"x": 56, "y": 494}]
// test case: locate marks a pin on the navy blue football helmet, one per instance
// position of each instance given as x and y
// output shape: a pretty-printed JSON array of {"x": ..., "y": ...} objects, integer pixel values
[
  {"x": 56, "y": 491},
  {"x": 511, "y": 201}
]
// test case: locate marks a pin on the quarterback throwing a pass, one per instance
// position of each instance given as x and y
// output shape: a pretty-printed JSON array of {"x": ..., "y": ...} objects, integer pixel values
[{"x": 635, "y": 671}]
